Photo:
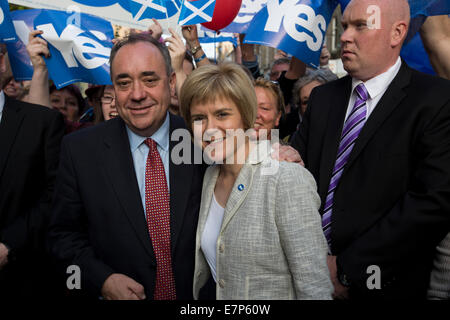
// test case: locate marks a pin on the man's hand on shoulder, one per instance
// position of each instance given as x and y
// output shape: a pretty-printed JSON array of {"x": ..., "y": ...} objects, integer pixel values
[
  {"x": 120, "y": 287},
  {"x": 286, "y": 153}
]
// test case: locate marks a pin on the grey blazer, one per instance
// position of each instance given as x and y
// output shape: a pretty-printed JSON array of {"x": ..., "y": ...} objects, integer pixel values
[
  {"x": 271, "y": 244},
  {"x": 440, "y": 276}
]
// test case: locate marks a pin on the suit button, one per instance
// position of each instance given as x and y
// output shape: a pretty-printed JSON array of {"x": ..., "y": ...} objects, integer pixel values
[
  {"x": 221, "y": 248},
  {"x": 222, "y": 283}
]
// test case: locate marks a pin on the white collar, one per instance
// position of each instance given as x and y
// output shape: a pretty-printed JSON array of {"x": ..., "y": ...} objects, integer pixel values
[{"x": 379, "y": 84}]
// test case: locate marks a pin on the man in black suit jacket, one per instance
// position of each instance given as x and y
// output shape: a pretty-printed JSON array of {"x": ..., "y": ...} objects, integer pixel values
[
  {"x": 30, "y": 137},
  {"x": 391, "y": 206},
  {"x": 99, "y": 220}
]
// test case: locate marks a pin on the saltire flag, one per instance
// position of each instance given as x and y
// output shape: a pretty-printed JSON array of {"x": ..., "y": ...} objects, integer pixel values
[
  {"x": 207, "y": 36},
  {"x": 140, "y": 9},
  {"x": 7, "y": 32},
  {"x": 245, "y": 15},
  {"x": 297, "y": 27},
  {"x": 79, "y": 48},
  {"x": 198, "y": 11}
]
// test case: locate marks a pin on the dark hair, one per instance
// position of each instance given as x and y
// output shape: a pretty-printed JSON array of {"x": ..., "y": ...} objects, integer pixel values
[
  {"x": 134, "y": 38},
  {"x": 281, "y": 61},
  {"x": 74, "y": 90}
]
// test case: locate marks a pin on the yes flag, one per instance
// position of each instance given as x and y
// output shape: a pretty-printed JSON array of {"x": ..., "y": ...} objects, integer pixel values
[
  {"x": 198, "y": 11},
  {"x": 297, "y": 27},
  {"x": 18, "y": 56},
  {"x": 7, "y": 32},
  {"x": 78, "y": 52}
]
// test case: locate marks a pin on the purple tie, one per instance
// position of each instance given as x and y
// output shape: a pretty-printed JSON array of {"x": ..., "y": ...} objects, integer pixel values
[{"x": 350, "y": 132}]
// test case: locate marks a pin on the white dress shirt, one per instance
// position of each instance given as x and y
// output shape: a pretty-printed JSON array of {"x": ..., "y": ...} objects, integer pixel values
[
  {"x": 139, "y": 152},
  {"x": 376, "y": 87}
]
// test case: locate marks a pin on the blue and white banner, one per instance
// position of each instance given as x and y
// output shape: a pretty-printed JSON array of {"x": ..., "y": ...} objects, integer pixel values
[
  {"x": 78, "y": 52},
  {"x": 245, "y": 15},
  {"x": 207, "y": 36},
  {"x": 129, "y": 13},
  {"x": 7, "y": 32},
  {"x": 196, "y": 11},
  {"x": 18, "y": 56},
  {"x": 297, "y": 27},
  {"x": 79, "y": 49}
]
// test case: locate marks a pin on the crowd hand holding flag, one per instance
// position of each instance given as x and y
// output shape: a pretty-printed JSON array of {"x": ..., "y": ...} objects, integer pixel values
[
  {"x": 191, "y": 36},
  {"x": 177, "y": 50},
  {"x": 435, "y": 34},
  {"x": 37, "y": 48}
]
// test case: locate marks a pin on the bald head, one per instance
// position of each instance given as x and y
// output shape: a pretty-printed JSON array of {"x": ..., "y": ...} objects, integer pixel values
[
  {"x": 391, "y": 10},
  {"x": 374, "y": 32}
]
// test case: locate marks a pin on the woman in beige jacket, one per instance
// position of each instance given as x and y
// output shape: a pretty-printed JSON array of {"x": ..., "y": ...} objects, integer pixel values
[{"x": 259, "y": 232}]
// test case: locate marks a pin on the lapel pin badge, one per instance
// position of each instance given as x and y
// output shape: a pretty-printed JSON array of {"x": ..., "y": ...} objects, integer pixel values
[{"x": 241, "y": 187}]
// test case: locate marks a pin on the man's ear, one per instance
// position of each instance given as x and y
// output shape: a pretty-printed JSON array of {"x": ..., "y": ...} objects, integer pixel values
[{"x": 398, "y": 34}]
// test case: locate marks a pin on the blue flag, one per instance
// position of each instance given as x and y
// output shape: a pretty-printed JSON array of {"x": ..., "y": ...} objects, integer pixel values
[
  {"x": 18, "y": 56},
  {"x": 7, "y": 32},
  {"x": 245, "y": 15},
  {"x": 297, "y": 27},
  {"x": 207, "y": 36},
  {"x": 140, "y": 9},
  {"x": 198, "y": 11},
  {"x": 78, "y": 52}
]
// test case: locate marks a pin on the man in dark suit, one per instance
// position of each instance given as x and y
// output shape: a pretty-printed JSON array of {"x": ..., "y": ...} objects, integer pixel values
[
  {"x": 130, "y": 241},
  {"x": 378, "y": 144},
  {"x": 30, "y": 137}
]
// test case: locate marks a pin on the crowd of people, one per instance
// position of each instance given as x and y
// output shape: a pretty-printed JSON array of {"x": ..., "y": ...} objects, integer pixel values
[{"x": 357, "y": 208}]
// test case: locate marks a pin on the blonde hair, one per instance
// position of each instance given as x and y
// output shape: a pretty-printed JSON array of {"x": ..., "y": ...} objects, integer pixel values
[
  {"x": 225, "y": 81},
  {"x": 275, "y": 90}
]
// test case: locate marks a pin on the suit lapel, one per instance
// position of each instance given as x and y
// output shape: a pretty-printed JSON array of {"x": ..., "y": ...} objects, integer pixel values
[
  {"x": 9, "y": 126},
  {"x": 180, "y": 186},
  {"x": 237, "y": 194},
  {"x": 335, "y": 122},
  {"x": 120, "y": 169},
  {"x": 387, "y": 104}
]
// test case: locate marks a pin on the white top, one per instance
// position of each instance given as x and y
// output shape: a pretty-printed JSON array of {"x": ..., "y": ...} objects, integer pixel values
[
  {"x": 376, "y": 87},
  {"x": 2, "y": 103},
  {"x": 211, "y": 234}
]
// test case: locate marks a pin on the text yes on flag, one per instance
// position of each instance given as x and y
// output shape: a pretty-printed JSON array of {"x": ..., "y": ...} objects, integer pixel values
[{"x": 295, "y": 26}]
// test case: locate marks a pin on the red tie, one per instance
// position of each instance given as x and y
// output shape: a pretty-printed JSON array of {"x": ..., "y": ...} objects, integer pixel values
[{"x": 157, "y": 207}]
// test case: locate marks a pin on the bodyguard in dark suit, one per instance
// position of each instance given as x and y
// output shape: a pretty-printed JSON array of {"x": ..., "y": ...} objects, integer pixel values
[
  {"x": 30, "y": 137},
  {"x": 378, "y": 144},
  {"x": 107, "y": 219}
]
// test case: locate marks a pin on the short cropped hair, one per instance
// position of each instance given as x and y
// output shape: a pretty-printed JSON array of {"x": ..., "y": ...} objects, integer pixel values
[
  {"x": 224, "y": 81},
  {"x": 275, "y": 90},
  {"x": 134, "y": 38},
  {"x": 321, "y": 75}
]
